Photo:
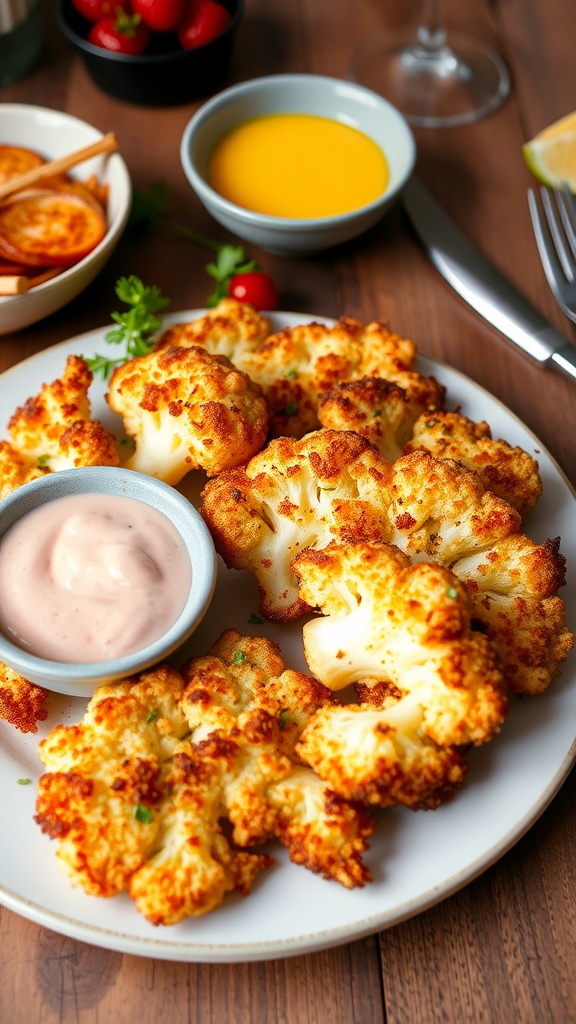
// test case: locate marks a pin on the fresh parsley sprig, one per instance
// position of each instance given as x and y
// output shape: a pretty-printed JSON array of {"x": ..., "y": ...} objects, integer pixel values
[
  {"x": 135, "y": 328},
  {"x": 150, "y": 210}
]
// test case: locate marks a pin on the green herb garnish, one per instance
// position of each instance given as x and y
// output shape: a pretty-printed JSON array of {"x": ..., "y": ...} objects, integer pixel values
[
  {"x": 452, "y": 593},
  {"x": 151, "y": 716},
  {"x": 256, "y": 620},
  {"x": 23, "y": 782},
  {"x": 292, "y": 374},
  {"x": 43, "y": 461},
  {"x": 136, "y": 327},
  {"x": 143, "y": 814},
  {"x": 291, "y": 409},
  {"x": 284, "y": 719},
  {"x": 238, "y": 658}
]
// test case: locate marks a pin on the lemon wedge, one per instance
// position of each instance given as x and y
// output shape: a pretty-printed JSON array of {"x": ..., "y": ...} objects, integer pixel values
[{"x": 551, "y": 155}]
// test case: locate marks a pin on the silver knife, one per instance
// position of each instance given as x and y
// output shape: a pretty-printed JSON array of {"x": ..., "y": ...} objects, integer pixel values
[{"x": 482, "y": 286}]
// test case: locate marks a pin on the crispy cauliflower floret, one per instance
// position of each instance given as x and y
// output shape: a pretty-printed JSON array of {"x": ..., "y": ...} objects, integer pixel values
[
  {"x": 440, "y": 510},
  {"x": 513, "y": 587},
  {"x": 241, "y": 692},
  {"x": 509, "y": 472},
  {"x": 293, "y": 495},
  {"x": 135, "y": 807},
  {"x": 15, "y": 469},
  {"x": 54, "y": 429},
  {"x": 298, "y": 366},
  {"x": 386, "y": 619},
  {"x": 186, "y": 409},
  {"x": 231, "y": 329},
  {"x": 379, "y": 410},
  {"x": 22, "y": 703},
  {"x": 382, "y": 757}
]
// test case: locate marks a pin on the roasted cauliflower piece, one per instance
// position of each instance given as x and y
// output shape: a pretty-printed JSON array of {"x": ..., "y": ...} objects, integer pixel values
[
  {"x": 140, "y": 793},
  {"x": 380, "y": 410},
  {"x": 15, "y": 469},
  {"x": 510, "y": 472},
  {"x": 513, "y": 586},
  {"x": 54, "y": 429},
  {"x": 230, "y": 329},
  {"x": 292, "y": 495},
  {"x": 186, "y": 409},
  {"x": 382, "y": 757},
  {"x": 298, "y": 366},
  {"x": 243, "y": 694},
  {"x": 409, "y": 624},
  {"x": 440, "y": 510},
  {"x": 22, "y": 703},
  {"x": 401, "y": 631}
]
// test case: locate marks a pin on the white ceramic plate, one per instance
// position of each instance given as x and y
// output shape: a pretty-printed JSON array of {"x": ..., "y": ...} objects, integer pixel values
[{"x": 417, "y": 858}]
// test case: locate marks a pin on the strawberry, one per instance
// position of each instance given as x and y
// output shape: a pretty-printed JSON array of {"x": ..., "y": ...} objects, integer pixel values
[
  {"x": 159, "y": 15},
  {"x": 203, "y": 21},
  {"x": 124, "y": 33}
]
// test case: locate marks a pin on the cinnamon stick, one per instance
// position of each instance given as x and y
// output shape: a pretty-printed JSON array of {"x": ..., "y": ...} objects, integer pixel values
[{"x": 59, "y": 166}]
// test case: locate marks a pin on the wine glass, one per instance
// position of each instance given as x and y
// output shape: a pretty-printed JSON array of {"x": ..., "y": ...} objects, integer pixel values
[{"x": 434, "y": 80}]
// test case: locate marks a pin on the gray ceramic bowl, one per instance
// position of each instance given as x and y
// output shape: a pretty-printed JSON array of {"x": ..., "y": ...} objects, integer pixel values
[
  {"x": 83, "y": 679},
  {"x": 308, "y": 94}
]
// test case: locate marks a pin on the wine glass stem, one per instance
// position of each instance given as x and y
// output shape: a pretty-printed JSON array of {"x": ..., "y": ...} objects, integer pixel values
[{"x": 431, "y": 35}]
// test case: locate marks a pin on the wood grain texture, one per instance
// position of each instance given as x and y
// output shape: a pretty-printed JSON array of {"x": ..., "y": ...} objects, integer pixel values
[{"x": 503, "y": 950}]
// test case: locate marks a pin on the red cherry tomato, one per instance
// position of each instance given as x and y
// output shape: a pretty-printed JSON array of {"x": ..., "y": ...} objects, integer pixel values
[
  {"x": 96, "y": 10},
  {"x": 203, "y": 21},
  {"x": 123, "y": 34},
  {"x": 256, "y": 289},
  {"x": 159, "y": 15}
]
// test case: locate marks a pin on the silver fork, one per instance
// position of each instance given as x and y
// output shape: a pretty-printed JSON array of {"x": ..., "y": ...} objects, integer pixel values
[{"x": 554, "y": 224}]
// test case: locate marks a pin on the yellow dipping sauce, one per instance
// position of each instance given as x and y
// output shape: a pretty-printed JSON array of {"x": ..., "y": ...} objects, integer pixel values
[{"x": 298, "y": 165}]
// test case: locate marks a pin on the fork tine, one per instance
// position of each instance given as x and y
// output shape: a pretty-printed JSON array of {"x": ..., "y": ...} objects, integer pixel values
[
  {"x": 550, "y": 262},
  {"x": 557, "y": 231},
  {"x": 567, "y": 209}
]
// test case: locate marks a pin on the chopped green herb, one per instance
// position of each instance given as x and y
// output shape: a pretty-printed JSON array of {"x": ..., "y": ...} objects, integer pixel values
[
  {"x": 238, "y": 658},
  {"x": 43, "y": 461},
  {"x": 291, "y": 408},
  {"x": 256, "y": 620},
  {"x": 136, "y": 327},
  {"x": 284, "y": 719},
  {"x": 151, "y": 716},
  {"x": 452, "y": 593},
  {"x": 143, "y": 814},
  {"x": 375, "y": 413},
  {"x": 292, "y": 374},
  {"x": 23, "y": 782}
]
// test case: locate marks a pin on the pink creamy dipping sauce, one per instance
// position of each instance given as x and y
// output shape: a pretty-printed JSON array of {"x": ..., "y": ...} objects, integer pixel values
[{"x": 91, "y": 577}]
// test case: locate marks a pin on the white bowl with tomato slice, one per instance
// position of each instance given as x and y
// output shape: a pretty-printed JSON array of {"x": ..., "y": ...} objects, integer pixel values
[{"x": 55, "y": 236}]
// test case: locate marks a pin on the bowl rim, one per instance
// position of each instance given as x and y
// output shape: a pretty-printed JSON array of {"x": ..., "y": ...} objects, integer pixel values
[
  {"x": 115, "y": 228},
  {"x": 144, "y": 59},
  {"x": 287, "y": 224},
  {"x": 193, "y": 532}
]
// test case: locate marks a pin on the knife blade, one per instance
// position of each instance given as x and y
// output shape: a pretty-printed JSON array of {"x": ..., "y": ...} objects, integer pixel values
[{"x": 482, "y": 285}]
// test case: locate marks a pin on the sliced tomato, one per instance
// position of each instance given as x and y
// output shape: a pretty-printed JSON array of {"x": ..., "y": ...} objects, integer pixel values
[{"x": 54, "y": 229}]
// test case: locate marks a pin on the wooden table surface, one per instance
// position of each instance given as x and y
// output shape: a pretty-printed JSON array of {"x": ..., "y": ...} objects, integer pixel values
[{"x": 503, "y": 949}]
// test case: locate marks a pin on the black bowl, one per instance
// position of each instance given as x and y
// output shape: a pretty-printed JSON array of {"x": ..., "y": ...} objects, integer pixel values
[{"x": 166, "y": 75}]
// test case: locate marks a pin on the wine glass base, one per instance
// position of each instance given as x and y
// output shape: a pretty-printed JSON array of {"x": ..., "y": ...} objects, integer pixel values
[{"x": 456, "y": 84}]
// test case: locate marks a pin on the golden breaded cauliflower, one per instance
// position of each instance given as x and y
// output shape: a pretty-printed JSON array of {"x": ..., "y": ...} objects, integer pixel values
[
  {"x": 53, "y": 429},
  {"x": 230, "y": 329},
  {"x": 379, "y": 410},
  {"x": 509, "y": 472},
  {"x": 439, "y": 509},
  {"x": 22, "y": 703},
  {"x": 409, "y": 624},
  {"x": 133, "y": 806},
  {"x": 15, "y": 469},
  {"x": 139, "y": 793},
  {"x": 403, "y": 630},
  {"x": 186, "y": 409},
  {"x": 292, "y": 495},
  {"x": 299, "y": 365},
  {"x": 243, "y": 694}
]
